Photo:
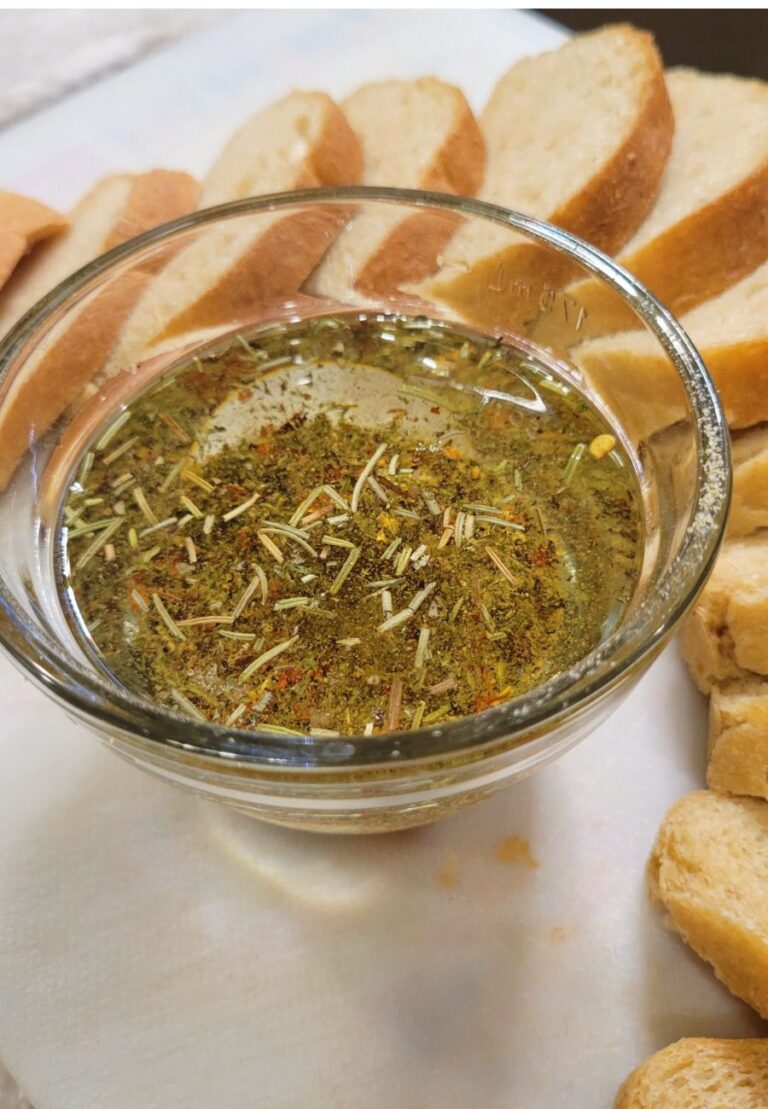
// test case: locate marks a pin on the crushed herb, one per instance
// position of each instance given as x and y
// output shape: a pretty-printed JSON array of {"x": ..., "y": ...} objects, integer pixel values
[{"x": 515, "y": 533}]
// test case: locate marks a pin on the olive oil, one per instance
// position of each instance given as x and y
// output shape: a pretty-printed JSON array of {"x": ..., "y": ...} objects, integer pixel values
[{"x": 352, "y": 524}]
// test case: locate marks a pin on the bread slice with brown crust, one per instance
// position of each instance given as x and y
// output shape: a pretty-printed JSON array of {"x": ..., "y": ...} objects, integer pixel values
[
  {"x": 58, "y": 375},
  {"x": 700, "y": 1074},
  {"x": 709, "y": 226},
  {"x": 578, "y": 136},
  {"x": 23, "y": 223},
  {"x": 414, "y": 134},
  {"x": 724, "y": 637},
  {"x": 90, "y": 224},
  {"x": 301, "y": 141},
  {"x": 738, "y": 738},
  {"x": 731, "y": 334},
  {"x": 114, "y": 210},
  {"x": 709, "y": 870}
]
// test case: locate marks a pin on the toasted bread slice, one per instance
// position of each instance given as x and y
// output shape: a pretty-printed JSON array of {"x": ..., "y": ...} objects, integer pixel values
[
  {"x": 709, "y": 226},
  {"x": 731, "y": 334},
  {"x": 91, "y": 223},
  {"x": 724, "y": 637},
  {"x": 749, "y": 500},
  {"x": 709, "y": 869},
  {"x": 114, "y": 210},
  {"x": 301, "y": 141},
  {"x": 56, "y": 377},
  {"x": 700, "y": 1074},
  {"x": 738, "y": 738},
  {"x": 579, "y": 136},
  {"x": 414, "y": 134},
  {"x": 23, "y": 223}
]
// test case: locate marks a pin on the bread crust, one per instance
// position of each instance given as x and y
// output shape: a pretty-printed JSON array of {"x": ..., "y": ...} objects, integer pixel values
[
  {"x": 701, "y": 256},
  {"x": 29, "y": 218},
  {"x": 155, "y": 198},
  {"x": 278, "y": 258},
  {"x": 272, "y": 267},
  {"x": 56, "y": 379},
  {"x": 63, "y": 372},
  {"x": 606, "y": 211},
  {"x": 410, "y": 251},
  {"x": 42, "y": 269},
  {"x": 23, "y": 223},
  {"x": 613, "y": 204},
  {"x": 337, "y": 158},
  {"x": 13, "y": 247}
]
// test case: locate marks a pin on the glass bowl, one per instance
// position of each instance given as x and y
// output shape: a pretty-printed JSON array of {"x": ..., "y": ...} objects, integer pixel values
[{"x": 664, "y": 405}]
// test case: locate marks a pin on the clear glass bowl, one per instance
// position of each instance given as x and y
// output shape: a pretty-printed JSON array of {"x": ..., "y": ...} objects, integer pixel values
[{"x": 666, "y": 407}]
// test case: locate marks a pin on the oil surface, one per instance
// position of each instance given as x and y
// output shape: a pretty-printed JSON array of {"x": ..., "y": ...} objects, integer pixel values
[{"x": 349, "y": 525}]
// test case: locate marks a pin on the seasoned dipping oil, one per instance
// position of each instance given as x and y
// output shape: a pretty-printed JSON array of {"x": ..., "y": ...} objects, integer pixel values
[{"x": 349, "y": 525}]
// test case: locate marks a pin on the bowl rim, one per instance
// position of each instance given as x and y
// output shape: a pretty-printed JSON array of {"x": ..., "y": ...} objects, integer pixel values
[{"x": 588, "y": 680}]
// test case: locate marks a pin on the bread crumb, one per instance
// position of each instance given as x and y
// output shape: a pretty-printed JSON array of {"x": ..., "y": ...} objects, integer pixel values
[
  {"x": 448, "y": 874},
  {"x": 516, "y": 849}
]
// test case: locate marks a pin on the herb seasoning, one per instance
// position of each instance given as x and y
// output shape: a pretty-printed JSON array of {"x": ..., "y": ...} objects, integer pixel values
[{"x": 349, "y": 525}]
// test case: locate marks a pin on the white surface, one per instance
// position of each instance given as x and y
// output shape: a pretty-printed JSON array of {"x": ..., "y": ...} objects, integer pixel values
[
  {"x": 158, "y": 952},
  {"x": 45, "y": 53}
]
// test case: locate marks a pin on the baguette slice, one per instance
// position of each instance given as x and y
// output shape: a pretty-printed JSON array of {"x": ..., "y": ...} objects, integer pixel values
[
  {"x": 301, "y": 141},
  {"x": 55, "y": 378},
  {"x": 724, "y": 637},
  {"x": 414, "y": 134},
  {"x": 700, "y": 1074},
  {"x": 579, "y": 136},
  {"x": 731, "y": 334},
  {"x": 114, "y": 210},
  {"x": 709, "y": 869},
  {"x": 749, "y": 499},
  {"x": 91, "y": 222},
  {"x": 738, "y": 738},
  {"x": 709, "y": 226},
  {"x": 23, "y": 223}
]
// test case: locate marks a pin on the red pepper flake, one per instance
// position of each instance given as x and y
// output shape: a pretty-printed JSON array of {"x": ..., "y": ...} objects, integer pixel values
[{"x": 289, "y": 676}]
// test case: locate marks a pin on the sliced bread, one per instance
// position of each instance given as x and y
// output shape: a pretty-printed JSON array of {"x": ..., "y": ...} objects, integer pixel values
[
  {"x": 23, "y": 223},
  {"x": 709, "y": 226},
  {"x": 114, "y": 210},
  {"x": 225, "y": 273},
  {"x": 56, "y": 377},
  {"x": 724, "y": 637},
  {"x": 731, "y": 334},
  {"x": 700, "y": 1074},
  {"x": 579, "y": 136},
  {"x": 749, "y": 499},
  {"x": 414, "y": 134},
  {"x": 738, "y": 738},
  {"x": 709, "y": 869},
  {"x": 91, "y": 222}
]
